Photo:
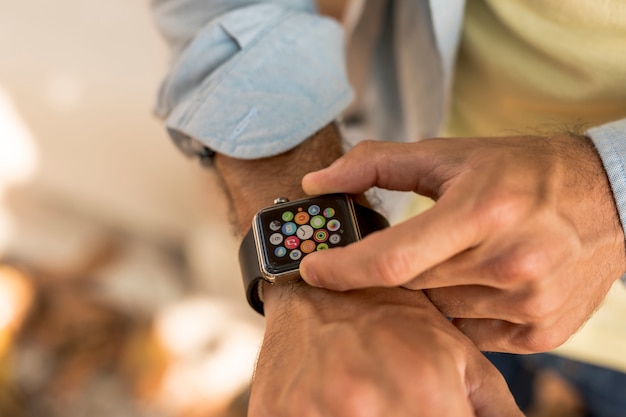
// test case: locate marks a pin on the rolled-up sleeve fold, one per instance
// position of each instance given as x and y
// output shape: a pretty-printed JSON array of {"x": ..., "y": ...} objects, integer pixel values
[{"x": 255, "y": 82}]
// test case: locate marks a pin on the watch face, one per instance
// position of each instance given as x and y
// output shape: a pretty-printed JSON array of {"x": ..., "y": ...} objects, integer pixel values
[{"x": 290, "y": 231}]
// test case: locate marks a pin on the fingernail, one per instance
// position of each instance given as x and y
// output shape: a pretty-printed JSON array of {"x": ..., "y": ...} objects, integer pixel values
[
  {"x": 309, "y": 276},
  {"x": 309, "y": 183}
]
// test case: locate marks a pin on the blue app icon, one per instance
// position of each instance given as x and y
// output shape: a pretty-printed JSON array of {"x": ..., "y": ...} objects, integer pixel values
[
  {"x": 289, "y": 228},
  {"x": 314, "y": 209}
]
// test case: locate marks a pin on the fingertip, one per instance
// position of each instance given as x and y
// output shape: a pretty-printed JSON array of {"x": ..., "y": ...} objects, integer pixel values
[
  {"x": 310, "y": 183},
  {"x": 308, "y": 272}
]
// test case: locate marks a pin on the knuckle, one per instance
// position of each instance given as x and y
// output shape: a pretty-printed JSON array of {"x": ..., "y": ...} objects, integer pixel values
[
  {"x": 501, "y": 209},
  {"x": 533, "y": 340},
  {"x": 537, "y": 308},
  {"x": 519, "y": 266}
]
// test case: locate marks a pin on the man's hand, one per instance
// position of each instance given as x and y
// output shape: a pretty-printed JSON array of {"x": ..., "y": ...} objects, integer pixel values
[
  {"x": 377, "y": 352},
  {"x": 521, "y": 246}
]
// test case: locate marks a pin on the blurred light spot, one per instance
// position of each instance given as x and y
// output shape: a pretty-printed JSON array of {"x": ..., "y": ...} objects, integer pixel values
[
  {"x": 213, "y": 352},
  {"x": 16, "y": 297},
  {"x": 6, "y": 231},
  {"x": 186, "y": 327},
  {"x": 18, "y": 159},
  {"x": 64, "y": 92},
  {"x": 18, "y": 154}
]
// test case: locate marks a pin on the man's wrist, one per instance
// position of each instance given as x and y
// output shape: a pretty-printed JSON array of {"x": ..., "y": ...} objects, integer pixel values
[
  {"x": 254, "y": 184},
  {"x": 302, "y": 301}
]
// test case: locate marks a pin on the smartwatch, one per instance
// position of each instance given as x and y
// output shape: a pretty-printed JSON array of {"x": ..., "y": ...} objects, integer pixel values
[{"x": 283, "y": 234}]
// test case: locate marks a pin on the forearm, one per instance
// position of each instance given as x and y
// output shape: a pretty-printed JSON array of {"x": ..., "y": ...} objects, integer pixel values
[{"x": 254, "y": 184}]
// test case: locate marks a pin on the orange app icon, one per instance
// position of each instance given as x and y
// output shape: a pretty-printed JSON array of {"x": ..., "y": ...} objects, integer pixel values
[
  {"x": 301, "y": 218},
  {"x": 307, "y": 246}
]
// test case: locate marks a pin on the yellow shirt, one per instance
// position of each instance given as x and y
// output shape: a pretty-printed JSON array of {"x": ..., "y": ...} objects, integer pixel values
[
  {"x": 540, "y": 66},
  {"x": 528, "y": 64}
]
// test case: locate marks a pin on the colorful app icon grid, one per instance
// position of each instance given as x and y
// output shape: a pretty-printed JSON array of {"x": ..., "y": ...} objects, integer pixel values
[{"x": 309, "y": 229}]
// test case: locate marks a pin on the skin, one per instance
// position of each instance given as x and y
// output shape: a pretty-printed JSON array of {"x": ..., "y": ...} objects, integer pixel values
[
  {"x": 372, "y": 352},
  {"x": 521, "y": 246}
]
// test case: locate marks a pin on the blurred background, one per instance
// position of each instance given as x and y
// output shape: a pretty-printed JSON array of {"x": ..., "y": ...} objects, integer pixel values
[{"x": 120, "y": 292}]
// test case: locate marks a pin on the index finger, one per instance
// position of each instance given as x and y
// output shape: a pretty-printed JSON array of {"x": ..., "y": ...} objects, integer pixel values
[
  {"x": 394, "y": 256},
  {"x": 420, "y": 167}
]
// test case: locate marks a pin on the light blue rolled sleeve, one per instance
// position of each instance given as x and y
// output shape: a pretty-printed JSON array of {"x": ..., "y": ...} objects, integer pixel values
[
  {"x": 610, "y": 141},
  {"x": 249, "y": 80}
]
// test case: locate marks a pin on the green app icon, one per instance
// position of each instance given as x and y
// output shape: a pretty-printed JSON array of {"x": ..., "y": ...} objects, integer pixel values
[
  {"x": 287, "y": 216},
  {"x": 318, "y": 221},
  {"x": 322, "y": 246}
]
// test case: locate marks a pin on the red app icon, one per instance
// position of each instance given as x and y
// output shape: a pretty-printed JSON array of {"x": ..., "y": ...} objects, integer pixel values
[{"x": 292, "y": 242}]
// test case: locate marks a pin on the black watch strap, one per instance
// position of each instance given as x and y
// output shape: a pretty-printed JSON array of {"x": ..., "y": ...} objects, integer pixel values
[{"x": 368, "y": 221}]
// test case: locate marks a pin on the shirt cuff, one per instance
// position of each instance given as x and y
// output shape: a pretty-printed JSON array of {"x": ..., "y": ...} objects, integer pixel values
[
  {"x": 281, "y": 77},
  {"x": 610, "y": 141}
]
